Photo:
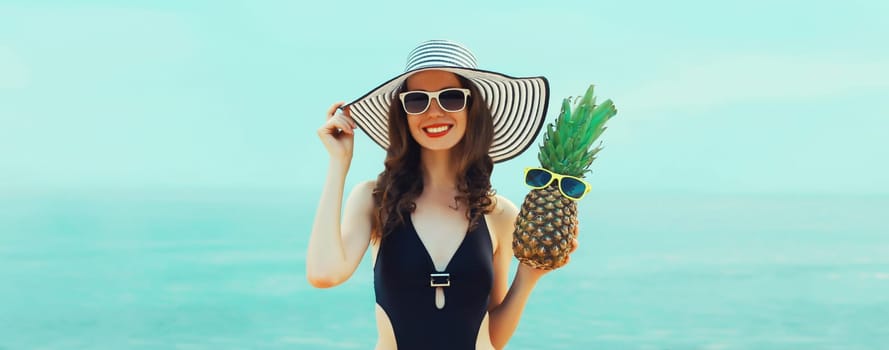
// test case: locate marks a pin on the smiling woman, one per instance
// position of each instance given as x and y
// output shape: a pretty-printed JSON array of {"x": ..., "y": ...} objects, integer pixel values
[{"x": 441, "y": 239}]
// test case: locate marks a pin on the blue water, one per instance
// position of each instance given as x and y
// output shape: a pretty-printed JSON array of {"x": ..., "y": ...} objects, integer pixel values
[{"x": 225, "y": 270}]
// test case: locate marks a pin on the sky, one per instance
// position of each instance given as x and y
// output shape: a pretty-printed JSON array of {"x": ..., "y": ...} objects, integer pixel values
[{"x": 763, "y": 97}]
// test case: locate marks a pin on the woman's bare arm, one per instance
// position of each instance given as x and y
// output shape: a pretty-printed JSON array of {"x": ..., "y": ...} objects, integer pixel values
[
  {"x": 507, "y": 306},
  {"x": 336, "y": 247}
]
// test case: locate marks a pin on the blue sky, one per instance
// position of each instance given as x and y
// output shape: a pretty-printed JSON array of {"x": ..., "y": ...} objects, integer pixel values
[{"x": 713, "y": 97}]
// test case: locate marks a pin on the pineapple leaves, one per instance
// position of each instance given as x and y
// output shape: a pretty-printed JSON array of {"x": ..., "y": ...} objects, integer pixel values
[{"x": 567, "y": 143}]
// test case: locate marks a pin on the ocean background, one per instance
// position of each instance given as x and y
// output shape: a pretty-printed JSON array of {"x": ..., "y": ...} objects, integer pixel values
[{"x": 225, "y": 270}]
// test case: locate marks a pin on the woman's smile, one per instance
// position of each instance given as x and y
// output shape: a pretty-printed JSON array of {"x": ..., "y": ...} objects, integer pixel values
[{"x": 437, "y": 130}]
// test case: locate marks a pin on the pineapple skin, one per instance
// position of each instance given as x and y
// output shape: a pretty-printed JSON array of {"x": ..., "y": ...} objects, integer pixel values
[{"x": 545, "y": 229}]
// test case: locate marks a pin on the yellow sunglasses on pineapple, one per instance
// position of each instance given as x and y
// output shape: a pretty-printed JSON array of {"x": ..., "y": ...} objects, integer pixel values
[{"x": 570, "y": 186}]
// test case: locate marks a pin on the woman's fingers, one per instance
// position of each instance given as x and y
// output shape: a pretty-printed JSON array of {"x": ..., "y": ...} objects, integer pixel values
[
  {"x": 337, "y": 133},
  {"x": 338, "y": 122},
  {"x": 332, "y": 110},
  {"x": 345, "y": 123},
  {"x": 336, "y": 125},
  {"x": 346, "y": 114}
]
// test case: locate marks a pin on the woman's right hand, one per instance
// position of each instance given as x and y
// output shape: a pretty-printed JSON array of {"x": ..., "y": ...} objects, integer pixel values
[{"x": 338, "y": 133}]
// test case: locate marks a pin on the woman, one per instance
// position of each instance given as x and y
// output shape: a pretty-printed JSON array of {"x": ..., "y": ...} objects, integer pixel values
[{"x": 441, "y": 240}]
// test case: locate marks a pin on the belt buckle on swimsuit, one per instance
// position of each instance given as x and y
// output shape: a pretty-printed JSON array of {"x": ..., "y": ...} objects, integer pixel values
[{"x": 439, "y": 280}]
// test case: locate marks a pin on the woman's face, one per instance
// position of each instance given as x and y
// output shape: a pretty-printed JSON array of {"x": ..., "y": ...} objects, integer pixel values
[{"x": 436, "y": 129}]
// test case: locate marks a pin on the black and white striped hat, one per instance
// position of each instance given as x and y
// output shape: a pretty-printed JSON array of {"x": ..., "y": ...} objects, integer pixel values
[{"x": 518, "y": 105}]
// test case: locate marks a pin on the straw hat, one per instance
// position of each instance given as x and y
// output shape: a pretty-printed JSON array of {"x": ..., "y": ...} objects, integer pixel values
[{"x": 518, "y": 105}]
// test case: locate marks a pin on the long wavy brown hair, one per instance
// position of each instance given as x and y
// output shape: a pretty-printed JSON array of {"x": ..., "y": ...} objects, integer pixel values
[{"x": 399, "y": 185}]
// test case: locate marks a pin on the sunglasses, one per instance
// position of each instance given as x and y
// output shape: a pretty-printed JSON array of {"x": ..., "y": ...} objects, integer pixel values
[
  {"x": 570, "y": 186},
  {"x": 450, "y": 100}
]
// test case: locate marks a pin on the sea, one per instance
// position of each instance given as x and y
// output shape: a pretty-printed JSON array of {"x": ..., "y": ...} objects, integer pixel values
[{"x": 225, "y": 269}]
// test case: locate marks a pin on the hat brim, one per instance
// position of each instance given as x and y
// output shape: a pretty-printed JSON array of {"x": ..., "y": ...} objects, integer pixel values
[{"x": 518, "y": 108}]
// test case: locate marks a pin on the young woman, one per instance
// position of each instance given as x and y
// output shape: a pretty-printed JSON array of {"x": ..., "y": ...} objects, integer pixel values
[{"x": 441, "y": 240}]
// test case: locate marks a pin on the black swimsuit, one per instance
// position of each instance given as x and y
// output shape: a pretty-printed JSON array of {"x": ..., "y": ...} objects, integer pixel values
[{"x": 405, "y": 288}]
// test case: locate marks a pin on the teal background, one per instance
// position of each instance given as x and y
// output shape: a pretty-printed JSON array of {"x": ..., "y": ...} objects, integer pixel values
[{"x": 159, "y": 169}]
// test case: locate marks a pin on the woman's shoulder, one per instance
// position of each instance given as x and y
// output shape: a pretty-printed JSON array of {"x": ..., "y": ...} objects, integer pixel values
[
  {"x": 502, "y": 205},
  {"x": 361, "y": 196},
  {"x": 364, "y": 188},
  {"x": 503, "y": 213},
  {"x": 367, "y": 184}
]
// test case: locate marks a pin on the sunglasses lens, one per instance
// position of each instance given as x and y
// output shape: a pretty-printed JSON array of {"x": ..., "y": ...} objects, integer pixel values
[
  {"x": 452, "y": 100},
  {"x": 572, "y": 187},
  {"x": 415, "y": 102},
  {"x": 537, "y": 178}
]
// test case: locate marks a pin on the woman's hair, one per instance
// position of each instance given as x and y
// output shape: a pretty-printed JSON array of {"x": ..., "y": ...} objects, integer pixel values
[{"x": 399, "y": 185}]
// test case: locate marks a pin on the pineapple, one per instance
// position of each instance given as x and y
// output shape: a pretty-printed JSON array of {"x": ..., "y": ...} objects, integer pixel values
[{"x": 547, "y": 223}]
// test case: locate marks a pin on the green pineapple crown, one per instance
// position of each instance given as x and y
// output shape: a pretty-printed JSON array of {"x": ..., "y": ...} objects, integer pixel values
[{"x": 566, "y": 145}]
